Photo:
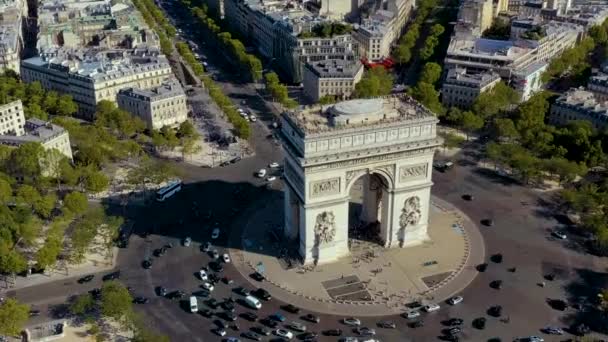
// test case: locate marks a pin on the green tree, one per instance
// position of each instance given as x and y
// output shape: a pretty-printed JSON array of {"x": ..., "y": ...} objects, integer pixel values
[
  {"x": 451, "y": 140},
  {"x": 431, "y": 72},
  {"x": 66, "y": 105},
  {"x": 470, "y": 122},
  {"x": 375, "y": 82},
  {"x": 186, "y": 129},
  {"x": 6, "y": 192},
  {"x": 25, "y": 160},
  {"x": 95, "y": 181},
  {"x": 566, "y": 170},
  {"x": 45, "y": 205},
  {"x": 115, "y": 300},
  {"x": 76, "y": 203},
  {"x": 11, "y": 261},
  {"x": 82, "y": 304},
  {"x": 428, "y": 96},
  {"x": 13, "y": 316},
  {"x": 28, "y": 196},
  {"x": 505, "y": 128}
]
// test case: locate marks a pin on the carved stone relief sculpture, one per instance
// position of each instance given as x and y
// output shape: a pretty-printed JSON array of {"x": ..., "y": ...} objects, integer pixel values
[
  {"x": 325, "y": 228},
  {"x": 410, "y": 216}
]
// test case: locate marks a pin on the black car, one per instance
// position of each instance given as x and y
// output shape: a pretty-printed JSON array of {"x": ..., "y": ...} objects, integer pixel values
[
  {"x": 147, "y": 264},
  {"x": 230, "y": 316},
  {"x": 332, "y": 332},
  {"x": 176, "y": 295},
  {"x": 242, "y": 291},
  {"x": 159, "y": 252},
  {"x": 34, "y": 313},
  {"x": 467, "y": 197},
  {"x": 168, "y": 245},
  {"x": 262, "y": 294},
  {"x": 161, "y": 291},
  {"x": 252, "y": 336},
  {"x": 496, "y": 284},
  {"x": 417, "y": 324},
  {"x": 206, "y": 313},
  {"x": 213, "y": 278},
  {"x": 454, "y": 321},
  {"x": 261, "y": 330},
  {"x": 250, "y": 316},
  {"x": 228, "y": 306},
  {"x": 495, "y": 311},
  {"x": 387, "y": 325},
  {"x": 308, "y": 335},
  {"x": 111, "y": 276},
  {"x": 212, "y": 303},
  {"x": 291, "y": 308},
  {"x": 258, "y": 276},
  {"x": 479, "y": 323},
  {"x": 141, "y": 300},
  {"x": 96, "y": 293},
  {"x": 311, "y": 318},
  {"x": 454, "y": 331},
  {"x": 86, "y": 279},
  {"x": 270, "y": 323},
  {"x": 487, "y": 222},
  {"x": 216, "y": 266},
  {"x": 227, "y": 280}
]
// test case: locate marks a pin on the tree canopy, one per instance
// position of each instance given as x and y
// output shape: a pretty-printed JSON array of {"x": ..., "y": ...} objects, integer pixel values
[{"x": 375, "y": 82}]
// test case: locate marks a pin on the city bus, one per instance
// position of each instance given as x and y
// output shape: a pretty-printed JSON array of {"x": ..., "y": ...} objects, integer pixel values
[{"x": 168, "y": 190}]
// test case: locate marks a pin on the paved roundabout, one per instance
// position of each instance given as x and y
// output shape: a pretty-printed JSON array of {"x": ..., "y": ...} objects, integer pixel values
[{"x": 372, "y": 281}]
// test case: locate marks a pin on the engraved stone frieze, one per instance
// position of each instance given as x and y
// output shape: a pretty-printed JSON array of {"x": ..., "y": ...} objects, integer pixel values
[
  {"x": 411, "y": 172},
  {"x": 325, "y": 187},
  {"x": 410, "y": 215}
]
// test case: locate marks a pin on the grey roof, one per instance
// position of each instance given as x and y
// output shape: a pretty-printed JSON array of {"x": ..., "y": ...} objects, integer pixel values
[
  {"x": 334, "y": 68},
  {"x": 170, "y": 88},
  {"x": 36, "y": 130}
]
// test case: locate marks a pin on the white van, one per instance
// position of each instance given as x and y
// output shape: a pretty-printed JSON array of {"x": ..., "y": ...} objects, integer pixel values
[
  {"x": 253, "y": 302},
  {"x": 193, "y": 304},
  {"x": 262, "y": 173}
]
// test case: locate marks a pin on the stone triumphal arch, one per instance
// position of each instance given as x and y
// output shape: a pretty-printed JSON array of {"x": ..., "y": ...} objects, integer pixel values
[{"x": 385, "y": 143}]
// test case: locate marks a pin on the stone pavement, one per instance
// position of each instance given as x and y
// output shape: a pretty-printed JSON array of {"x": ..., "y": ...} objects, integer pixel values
[{"x": 373, "y": 280}]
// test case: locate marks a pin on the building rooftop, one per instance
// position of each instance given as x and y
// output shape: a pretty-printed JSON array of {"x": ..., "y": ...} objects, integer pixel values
[
  {"x": 356, "y": 114},
  {"x": 36, "y": 130},
  {"x": 460, "y": 76},
  {"x": 100, "y": 65},
  {"x": 335, "y": 68},
  {"x": 583, "y": 102},
  {"x": 168, "y": 89}
]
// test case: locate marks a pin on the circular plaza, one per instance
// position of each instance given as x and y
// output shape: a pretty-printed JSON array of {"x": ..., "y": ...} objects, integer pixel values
[{"x": 371, "y": 280}]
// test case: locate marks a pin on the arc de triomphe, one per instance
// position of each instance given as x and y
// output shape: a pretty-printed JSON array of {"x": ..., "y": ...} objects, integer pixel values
[{"x": 389, "y": 142}]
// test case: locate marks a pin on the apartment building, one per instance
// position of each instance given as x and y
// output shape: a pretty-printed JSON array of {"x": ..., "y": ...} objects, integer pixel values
[
  {"x": 15, "y": 130},
  {"x": 377, "y": 33},
  {"x": 598, "y": 85},
  {"x": 460, "y": 89},
  {"x": 283, "y": 31},
  {"x": 90, "y": 75},
  {"x": 478, "y": 13},
  {"x": 12, "y": 18},
  {"x": 12, "y": 119},
  {"x": 579, "y": 104},
  {"x": 94, "y": 23},
  {"x": 160, "y": 106},
  {"x": 334, "y": 77}
]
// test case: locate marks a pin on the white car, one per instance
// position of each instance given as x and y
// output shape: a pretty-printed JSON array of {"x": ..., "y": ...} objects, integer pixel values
[
  {"x": 225, "y": 258},
  {"x": 220, "y": 332},
  {"x": 215, "y": 233},
  {"x": 205, "y": 64},
  {"x": 187, "y": 242},
  {"x": 455, "y": 300},
  {"x": 353, "y": 322},
  {"x": 203, "y": 275},
  {"x": 262, "y": 173},
  {"x": 412, "y": 314},
  {"x": 252, "y": 118},
  {"x": 431, "y": 307},
  {"x": 208, "y": 286},
  {"x": 215, "y": 254},
  {"x": 271, "y": 179},
  {"x": 284, "y": 333},
  {"x": 559, "y": 235},
  {"x": 273, "y": 165}
]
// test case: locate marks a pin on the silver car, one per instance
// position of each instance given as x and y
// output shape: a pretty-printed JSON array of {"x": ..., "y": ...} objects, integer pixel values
[{"x": 297, "y": 326}]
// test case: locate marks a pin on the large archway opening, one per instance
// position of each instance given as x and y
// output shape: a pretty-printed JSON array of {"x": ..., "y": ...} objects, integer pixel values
[{"x": 368, "y": 210}]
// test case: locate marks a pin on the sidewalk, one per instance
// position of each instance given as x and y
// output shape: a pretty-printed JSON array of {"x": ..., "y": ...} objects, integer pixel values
[{"x": 94, "y": 263}]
